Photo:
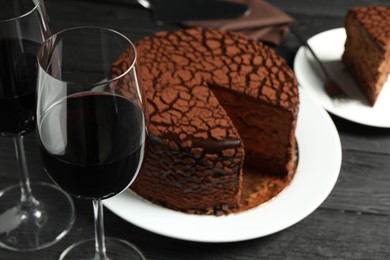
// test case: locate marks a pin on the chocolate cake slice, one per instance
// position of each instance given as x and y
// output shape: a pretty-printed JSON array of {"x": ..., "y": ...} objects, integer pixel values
[
  {"x": 367, "y": 48},
  {"x": 223, "y": 111}
]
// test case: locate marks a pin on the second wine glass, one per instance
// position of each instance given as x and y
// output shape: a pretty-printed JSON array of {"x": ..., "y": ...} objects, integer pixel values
[
  {"x": 91, "y": 124},
  {"x": 29, "y": 212}
]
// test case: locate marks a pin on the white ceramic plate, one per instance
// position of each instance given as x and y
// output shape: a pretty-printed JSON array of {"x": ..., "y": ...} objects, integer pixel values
[
  {"x": 329, "y": 47},
  {"x": 317, "y": 172}
]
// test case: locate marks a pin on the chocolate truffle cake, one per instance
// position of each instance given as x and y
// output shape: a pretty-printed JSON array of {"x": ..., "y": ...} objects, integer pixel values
[
  {"x": 223, "y": 111},
  {"x": 367, "y": 48}
]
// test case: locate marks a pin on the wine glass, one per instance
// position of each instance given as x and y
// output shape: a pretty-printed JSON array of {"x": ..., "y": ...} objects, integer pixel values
[
  {"x": 29, "y": 212},
  {"x": 91, "y": 124}
]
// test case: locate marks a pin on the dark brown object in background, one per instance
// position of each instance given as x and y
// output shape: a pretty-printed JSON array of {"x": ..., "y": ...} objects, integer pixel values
[{"x": 264, "y": 22}]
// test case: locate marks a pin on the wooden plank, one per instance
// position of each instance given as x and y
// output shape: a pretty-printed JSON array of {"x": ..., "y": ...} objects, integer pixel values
[
  {"x": 325, "y": 234},
  {"x": 323, "y": 7}
]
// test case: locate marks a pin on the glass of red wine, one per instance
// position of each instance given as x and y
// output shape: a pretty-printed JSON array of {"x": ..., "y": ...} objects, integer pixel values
[
  {"x": 29, "y": 212},
  {"x": 91, "y": 124}
]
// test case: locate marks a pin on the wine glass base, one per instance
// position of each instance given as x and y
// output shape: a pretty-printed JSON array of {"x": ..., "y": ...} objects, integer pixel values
[
  {"x": 33, "y": 226},
  {"x": 116, "y": 249}
]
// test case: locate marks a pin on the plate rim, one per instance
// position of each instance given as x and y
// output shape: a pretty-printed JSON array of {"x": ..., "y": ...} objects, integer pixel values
[{"x": 239, "y": 222}]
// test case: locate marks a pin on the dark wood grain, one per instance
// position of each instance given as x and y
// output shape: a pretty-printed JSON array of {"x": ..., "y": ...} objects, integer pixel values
[{"x": 352, "y": 223}]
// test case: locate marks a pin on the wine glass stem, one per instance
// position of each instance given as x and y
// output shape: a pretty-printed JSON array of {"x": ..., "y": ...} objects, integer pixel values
[
  {"x": 25, "y": 188},
  {"x": 100, "y": 245}
]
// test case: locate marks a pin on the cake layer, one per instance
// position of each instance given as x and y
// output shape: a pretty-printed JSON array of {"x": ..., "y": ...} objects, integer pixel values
[{"x": 261, "y": 126}]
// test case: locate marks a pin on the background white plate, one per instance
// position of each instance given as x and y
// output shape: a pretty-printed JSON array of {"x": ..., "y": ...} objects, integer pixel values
[
  {"x": 317, "y": 172},
  {"x": 329, "y": 47}
]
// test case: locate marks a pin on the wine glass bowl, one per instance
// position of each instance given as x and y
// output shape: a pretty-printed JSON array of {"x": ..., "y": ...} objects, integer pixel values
[
  {"x": 29, "y": 212},
  {"x": 19, "y": 82},
  {"x": 23, "y": 27},
  {"x": 91, "y": 124},
  {"x": 99, "y": 159}
]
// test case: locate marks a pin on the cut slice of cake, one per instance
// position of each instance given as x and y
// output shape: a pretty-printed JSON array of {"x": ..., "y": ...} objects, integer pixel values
[{"x": 367, "y": 48}]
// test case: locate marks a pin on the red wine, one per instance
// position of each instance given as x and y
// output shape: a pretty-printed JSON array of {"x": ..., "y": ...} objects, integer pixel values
[
  {"x": 92, "y": 144},
  {"x": 18, "y": 78}
]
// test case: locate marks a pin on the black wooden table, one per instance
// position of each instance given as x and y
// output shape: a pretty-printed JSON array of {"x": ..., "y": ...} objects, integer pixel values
[{"x": 352, "y": 223}]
